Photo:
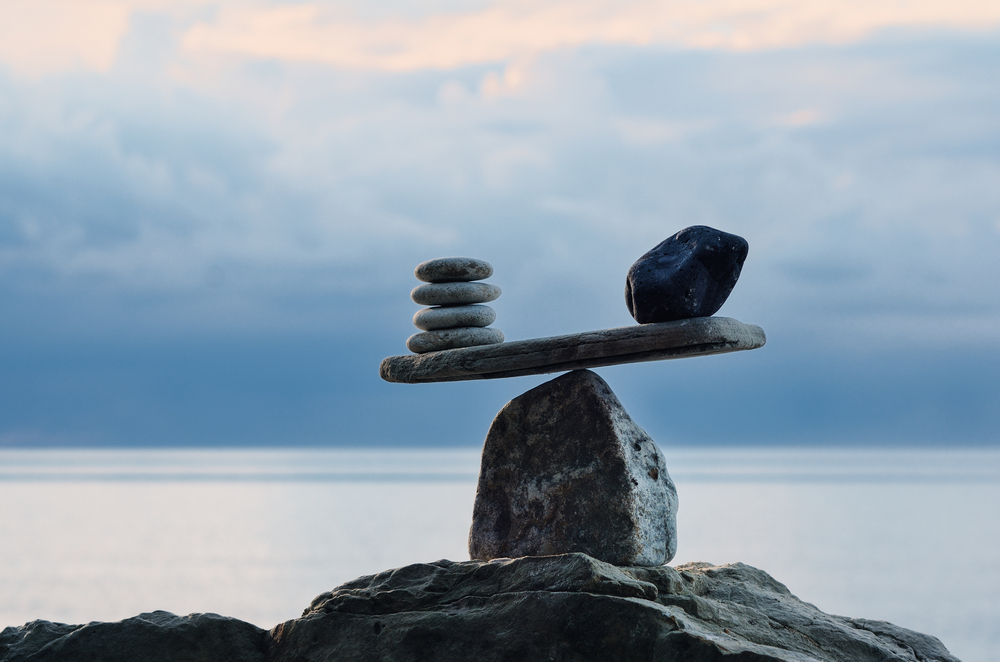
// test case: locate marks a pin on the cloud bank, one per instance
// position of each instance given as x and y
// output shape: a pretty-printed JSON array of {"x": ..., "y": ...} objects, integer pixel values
[
  {"x": 55, "y": 35},
  {"x": 210, "y": 212}
]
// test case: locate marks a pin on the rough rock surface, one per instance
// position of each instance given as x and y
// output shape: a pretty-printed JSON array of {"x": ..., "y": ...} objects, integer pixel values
[
  {"x": 158, "y": 636},
  {"x": 569, "y": 607},
  {"x": 451, "y": 269},
  {"x": 573, "y": 607},
  {"x": 565, "y": 469},
  {"x": 690, "y": 274}
]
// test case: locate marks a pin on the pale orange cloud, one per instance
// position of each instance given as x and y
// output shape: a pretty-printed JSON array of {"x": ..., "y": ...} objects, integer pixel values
[
  {"x": 45, "y": 36},
  {"x": 40, "y": 36},
  {"x": 516, "y": 29}
]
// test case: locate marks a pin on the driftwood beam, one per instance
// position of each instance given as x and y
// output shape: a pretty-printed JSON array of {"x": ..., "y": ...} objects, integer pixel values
[{"x": 629, "y": 344}]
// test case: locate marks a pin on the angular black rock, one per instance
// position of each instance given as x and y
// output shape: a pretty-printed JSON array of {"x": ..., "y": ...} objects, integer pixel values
[
  {"x": 687, "y": 275},
  {"x": 565, "y": 469}
]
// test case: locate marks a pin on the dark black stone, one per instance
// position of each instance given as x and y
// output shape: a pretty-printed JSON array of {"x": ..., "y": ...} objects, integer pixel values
[{"x": 687, "y": 275}]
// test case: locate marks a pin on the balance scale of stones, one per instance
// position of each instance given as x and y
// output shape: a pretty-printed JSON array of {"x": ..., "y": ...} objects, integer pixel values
[{"x": 564, "y": 468}]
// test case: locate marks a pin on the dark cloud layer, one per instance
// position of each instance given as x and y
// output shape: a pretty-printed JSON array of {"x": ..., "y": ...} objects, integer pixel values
[
  {"x": 326, "y": 391},
  {"x": 225, "y": 259}
]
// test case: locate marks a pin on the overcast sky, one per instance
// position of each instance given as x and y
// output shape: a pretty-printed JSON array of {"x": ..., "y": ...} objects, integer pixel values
[{"x": 210, "y": 211}]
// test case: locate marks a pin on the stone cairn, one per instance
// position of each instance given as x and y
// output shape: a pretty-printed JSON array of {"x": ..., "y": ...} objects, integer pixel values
[
  {"x": 566, "y": 475},
  {"x": 564, "y": 468},
  {"x": 456, "y": 317}
]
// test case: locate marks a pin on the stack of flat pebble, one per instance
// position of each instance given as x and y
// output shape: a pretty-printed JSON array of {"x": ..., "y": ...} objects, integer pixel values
[{"x": 455, "y": 319}]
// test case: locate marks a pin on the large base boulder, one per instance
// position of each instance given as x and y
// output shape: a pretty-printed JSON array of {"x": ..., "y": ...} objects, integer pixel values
[
  {"x": 532, "y": 609},
  {"x": 565, "y": 469},
  {"x": 574, "y": 607}
]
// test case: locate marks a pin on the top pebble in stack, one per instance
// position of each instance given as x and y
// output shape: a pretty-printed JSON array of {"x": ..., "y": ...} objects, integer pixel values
[{"x": 455, "y": 320}]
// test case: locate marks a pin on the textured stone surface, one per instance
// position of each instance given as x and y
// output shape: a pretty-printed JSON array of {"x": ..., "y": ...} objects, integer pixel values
[
  {"x": 433, "y": 341},
  {"x": 451, "y": 269},
  {"x": 573, "y": 607},
  {"x": 533, "y": 609},
  {"x": 687, "y": 275},
  {"x": 565, "y": 469},
  {"x": 448, "y": 317},
  {"x": 154, "y": 637},
  {"x": 629, "y": 344},
  {"x": 454, "y": 294}
]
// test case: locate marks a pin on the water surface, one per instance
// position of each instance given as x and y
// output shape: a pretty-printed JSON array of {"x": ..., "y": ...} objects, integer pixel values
[{"x": 911, "y": 537}]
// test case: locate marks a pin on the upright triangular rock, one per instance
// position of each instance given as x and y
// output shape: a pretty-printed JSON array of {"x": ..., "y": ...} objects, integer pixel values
[{"x": 565, "y": 469}]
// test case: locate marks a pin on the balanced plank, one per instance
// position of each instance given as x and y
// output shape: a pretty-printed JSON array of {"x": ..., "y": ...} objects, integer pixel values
[{"x": 699, "y": 336}]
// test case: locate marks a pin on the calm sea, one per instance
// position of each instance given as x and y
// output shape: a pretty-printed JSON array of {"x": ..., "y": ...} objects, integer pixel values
[{"x": 908, "y": 536}]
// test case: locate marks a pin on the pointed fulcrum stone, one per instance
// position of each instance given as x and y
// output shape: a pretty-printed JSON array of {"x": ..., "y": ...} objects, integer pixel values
[
  {"x": 451, "y": 269},
  {"x": 454, "y": 294},
  {"x": 449, "y": 317},
  {"x": 565, "y": 469},
  {"x": 687, "y": 275}
]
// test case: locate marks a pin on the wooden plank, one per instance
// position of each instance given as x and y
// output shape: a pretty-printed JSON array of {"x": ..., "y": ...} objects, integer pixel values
[{"x": 699, "y": 336}]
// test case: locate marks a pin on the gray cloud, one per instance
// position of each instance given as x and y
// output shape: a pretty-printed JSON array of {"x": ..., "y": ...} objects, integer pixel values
[{"x": 265, "y": 204}]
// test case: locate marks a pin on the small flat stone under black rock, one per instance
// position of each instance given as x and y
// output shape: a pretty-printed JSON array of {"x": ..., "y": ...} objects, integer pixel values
[{"x": 690, "y": 274}]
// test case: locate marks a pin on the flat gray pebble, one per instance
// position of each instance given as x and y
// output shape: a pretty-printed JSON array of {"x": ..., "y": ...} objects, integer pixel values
[
  {"x": 452, "y": 269},
  {"x": 434, "y": 341},
  {"x": 453, "y": 294},
  {"x": 449, "y": 317}
]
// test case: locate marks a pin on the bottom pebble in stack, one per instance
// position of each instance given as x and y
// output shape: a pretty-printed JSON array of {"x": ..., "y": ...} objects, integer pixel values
[{"x": 469, "y": 336}]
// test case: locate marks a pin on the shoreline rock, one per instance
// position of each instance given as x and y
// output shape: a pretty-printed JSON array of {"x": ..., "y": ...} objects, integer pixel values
[
  {"x": 157, "y": 636},
  {"x": 574, "y": 607},
  {"x": 567, "y": 607}
]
